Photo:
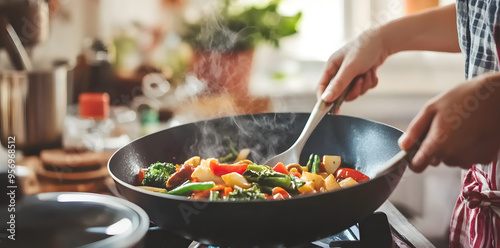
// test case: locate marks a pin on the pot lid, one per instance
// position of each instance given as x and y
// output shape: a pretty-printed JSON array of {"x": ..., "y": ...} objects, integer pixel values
[{"x": 76, "y": 220}]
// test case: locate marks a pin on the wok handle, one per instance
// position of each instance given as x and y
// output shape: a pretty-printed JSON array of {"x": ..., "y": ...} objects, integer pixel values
[
  {"x": 402, "y": 158},
  {"x": 410, "y": 153}
]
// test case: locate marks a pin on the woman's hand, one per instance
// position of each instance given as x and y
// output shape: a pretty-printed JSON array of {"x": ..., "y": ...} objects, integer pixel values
[
  {"x": 462, "y": 126},
  {"x": 360, "y": 57},
  {"x": 432, "y": 30}
]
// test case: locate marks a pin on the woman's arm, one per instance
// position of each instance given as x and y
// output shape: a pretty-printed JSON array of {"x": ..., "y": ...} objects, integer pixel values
[{"x": 432, "y": 30}]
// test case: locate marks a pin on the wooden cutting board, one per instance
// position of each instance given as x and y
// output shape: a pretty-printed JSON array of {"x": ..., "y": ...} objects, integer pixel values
[{"x": 61, "y": 171}]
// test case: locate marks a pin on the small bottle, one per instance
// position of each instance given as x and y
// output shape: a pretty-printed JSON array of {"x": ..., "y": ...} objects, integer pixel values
[
  {"x": 94, "y": 107},
  {"x": 89, "y": 129}
]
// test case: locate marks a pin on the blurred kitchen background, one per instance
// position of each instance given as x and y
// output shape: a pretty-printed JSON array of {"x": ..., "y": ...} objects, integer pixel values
[{"x": 144, "y": 55}]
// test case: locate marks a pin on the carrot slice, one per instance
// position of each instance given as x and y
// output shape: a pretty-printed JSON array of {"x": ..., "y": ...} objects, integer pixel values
[{"x": 227, "y": 190}]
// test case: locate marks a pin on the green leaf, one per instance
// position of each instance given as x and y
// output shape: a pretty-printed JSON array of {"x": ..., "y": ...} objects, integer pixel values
[{"x": 243, "y": 30}]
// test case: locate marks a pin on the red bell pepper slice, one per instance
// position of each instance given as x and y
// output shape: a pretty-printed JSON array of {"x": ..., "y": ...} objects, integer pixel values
[
  {"x": 223, "y": 169},
  {"x": 280, "y": 167},
  {"x": 343, "y": 173},
  {"x": 142, "y": 172}
]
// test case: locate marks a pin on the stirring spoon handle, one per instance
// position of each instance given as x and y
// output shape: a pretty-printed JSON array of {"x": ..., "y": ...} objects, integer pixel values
[{"x": 317, "y": 114}]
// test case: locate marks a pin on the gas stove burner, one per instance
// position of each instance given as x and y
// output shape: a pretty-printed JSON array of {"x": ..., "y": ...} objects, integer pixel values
[{"x": 374, "y": 231}]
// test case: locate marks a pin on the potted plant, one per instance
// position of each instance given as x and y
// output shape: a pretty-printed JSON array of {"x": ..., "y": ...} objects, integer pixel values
[{"x": 224, "y": 40}]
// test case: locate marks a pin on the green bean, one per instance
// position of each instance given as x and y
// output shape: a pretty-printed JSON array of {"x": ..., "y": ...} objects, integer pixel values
[
  {"x": 315, "y": 166},
  {"x": 188, "y": 187},
  {"x": 310, "y": 162}
]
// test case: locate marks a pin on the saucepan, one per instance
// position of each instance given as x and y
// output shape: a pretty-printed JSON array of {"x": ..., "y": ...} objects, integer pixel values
[
  {"x": 33, "y": 106},
  {"x": 362, "y": 144}
]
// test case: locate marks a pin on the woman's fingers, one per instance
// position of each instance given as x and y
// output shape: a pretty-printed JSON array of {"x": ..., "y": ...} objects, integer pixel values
[
  {"x": 359, "y": 58},
  {"x": 370, "y": 81},
  {"x": 356, "y": 89},
  {"x": 435, "y": 161},
  {"x": 345, "y": 74},
  {"x": 331, "y": 70}
]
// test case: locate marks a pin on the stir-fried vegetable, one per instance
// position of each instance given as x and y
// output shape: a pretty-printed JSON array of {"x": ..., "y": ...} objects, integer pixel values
[
  {"x": 243, "y": 180},
  {"x": 331, "y": 163},
  {"x": 265, "y": 176},
  {"x": 315, "y": 164},
  {"x": 204, "y": 174},
  {"x": 239, "y": 194},
  {"x": 222, "y": 169},
  {"x": 343, "y": 173},
  {"x": 214, "y": 195},
  {"x": 234, "y": 179},
  {"x": 280, "y": 167},
  {"x": 190, "y": 187},
  {"x": 310, "y": 162},
  {"x": 158, "y": 174},
  {"x": 233, "y": 155}
]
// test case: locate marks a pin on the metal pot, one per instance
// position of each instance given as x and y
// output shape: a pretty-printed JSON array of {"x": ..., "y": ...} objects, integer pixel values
[{"x": 33, "y": 107}]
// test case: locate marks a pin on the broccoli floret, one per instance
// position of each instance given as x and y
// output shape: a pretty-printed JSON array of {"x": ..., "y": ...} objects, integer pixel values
[
  {"x": 158, "y": 174},
  {"x": 239, "y": 194}
]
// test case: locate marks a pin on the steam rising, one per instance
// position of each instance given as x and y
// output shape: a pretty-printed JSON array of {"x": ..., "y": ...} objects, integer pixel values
[
  {"x": 222, "y": 81},
  {"x": 265, "y": 135}
]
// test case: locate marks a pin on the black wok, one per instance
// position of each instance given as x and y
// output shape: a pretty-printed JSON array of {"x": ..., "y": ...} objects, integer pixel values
[{"x": 363, "y": 145}]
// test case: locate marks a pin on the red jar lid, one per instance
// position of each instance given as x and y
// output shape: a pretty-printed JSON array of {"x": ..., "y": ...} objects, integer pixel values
[{"x": 94, "y": 105}]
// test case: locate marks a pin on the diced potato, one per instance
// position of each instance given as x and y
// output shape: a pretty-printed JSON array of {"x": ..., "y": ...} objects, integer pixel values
[
  {"x": 233, "y": 178},
  {"x": 307, "y": 188},
  {"x": 331, "y": 183},
  {"x": 347, "y": 182},
  {"x": 324, "y": 174},
  {"x": 195, "y": 161},
  {"x": 206, "y": 162},
  {"x": 332, "y": 163},
  {"x": 316, "y": 180},
  {"x": 322, "y": 189},
  {"x": 204, "y": 174}
]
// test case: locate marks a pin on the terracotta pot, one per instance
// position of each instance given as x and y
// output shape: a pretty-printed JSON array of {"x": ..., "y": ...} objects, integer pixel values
[
  {"x": 413, "y": 6},
  {"x": 224, "y": 72}
]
